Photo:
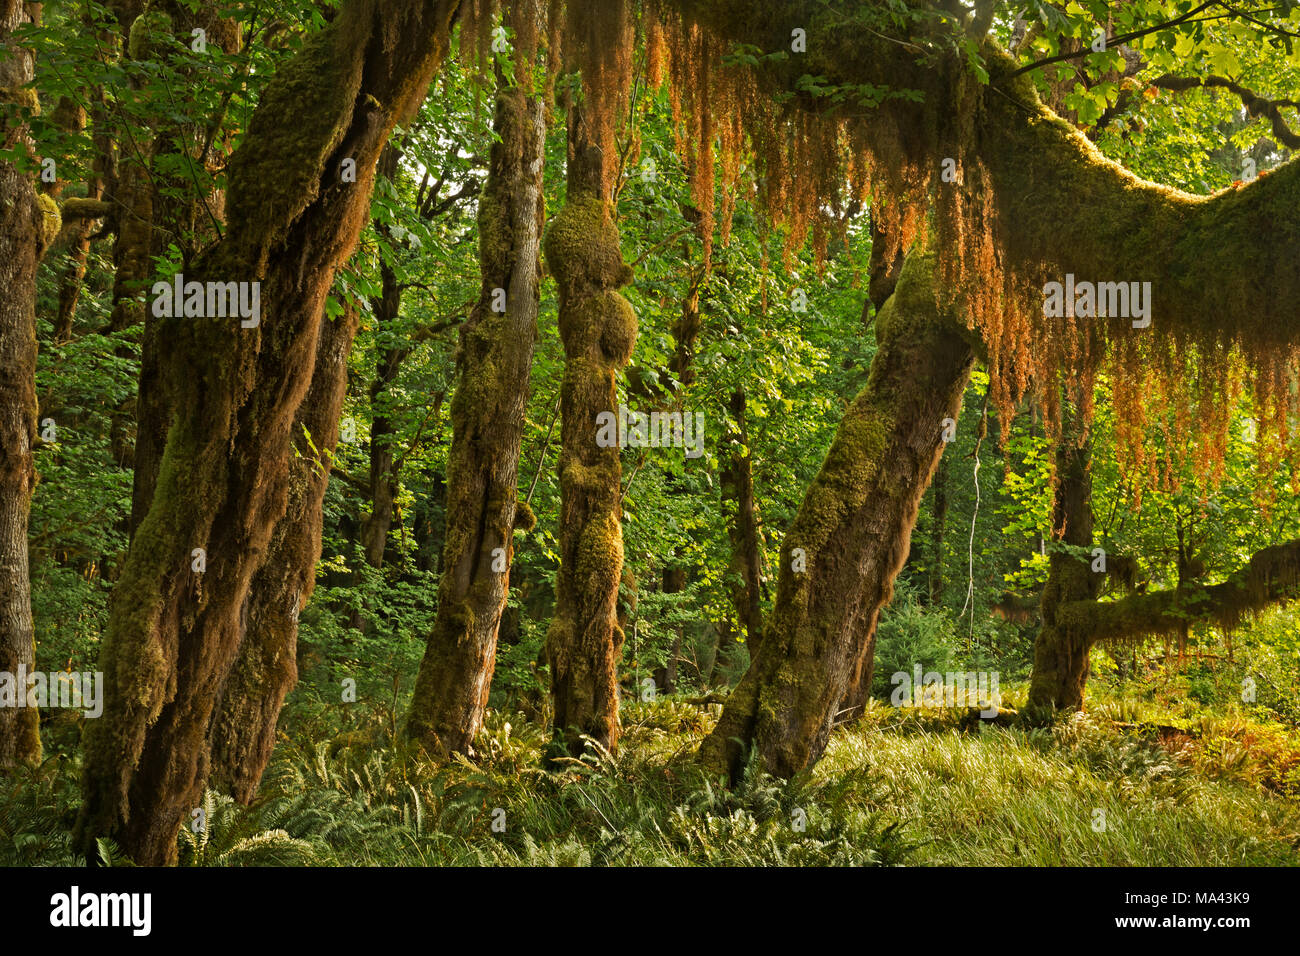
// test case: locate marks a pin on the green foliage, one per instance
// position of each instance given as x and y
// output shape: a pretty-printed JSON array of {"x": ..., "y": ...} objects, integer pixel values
[
  {"x": 909, "y": 634},
  {"x": 343, "y": 789}
]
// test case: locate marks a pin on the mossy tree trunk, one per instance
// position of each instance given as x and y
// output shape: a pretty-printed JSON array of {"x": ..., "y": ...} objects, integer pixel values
[
  {"x": 383, "y": 476},
  {"x": 939, "y": 516},
  {"x": 27, "y": 224},
  {"x": 159, "y": 204},
  {"x": 132, "y": 195},
  {"x": 737, "y": 483},
  {"x": 672, "y": 581},
  {"x": 1060, "y": 654},
  {"x": 223, "y": 482},
  {"x": 598, "y": 331},
  {"x": 242, "y": 734},
  {"x": 488, "y": 408},
  {"x": 850, "y": 537},
  {"x": 73, "y": 116}
]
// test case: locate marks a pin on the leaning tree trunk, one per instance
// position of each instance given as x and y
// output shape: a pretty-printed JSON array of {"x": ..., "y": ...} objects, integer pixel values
[
  {"x": 28, "y": 223},
  {"x": 598, "y": 331},
  {"x": 174, "y": 634},
  {"x": 1060, "y": 653},
  {"x": 242, "y": 734},
  {"x": 850, "y": 537},
  {"x": 496, "y": 357}
]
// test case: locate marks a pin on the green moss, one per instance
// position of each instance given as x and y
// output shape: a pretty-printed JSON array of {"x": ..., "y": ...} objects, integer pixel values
[
  {"x": 300, "y": 120},
  {"x": 51, "y": 220},
  {"x": 600, "y": 555},
  {"x": 582, "y": 246},
  {"x": 23, "y": 96},
  {"x": 150, "y": 32},
  {"x": 525, "y": 519},
  {"x": 618, "y": 338}
]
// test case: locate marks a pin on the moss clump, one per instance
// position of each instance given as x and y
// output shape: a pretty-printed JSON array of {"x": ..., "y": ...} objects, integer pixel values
[
  {"x": 22, "y": 96},
  {"x": 51, "y": 221},
  {"x": 600, "y": 557},
  {"x": 150, "y": 31},
  {"x": 525, "y": 519},
  {"x": 618, "y": 337},
  {"x": 582, "y": 245}
]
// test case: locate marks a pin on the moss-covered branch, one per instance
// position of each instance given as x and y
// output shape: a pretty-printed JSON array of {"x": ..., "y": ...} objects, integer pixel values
[
  {"x": 1255, "y": 104},
  {"x": 1223, "y": 269},
  {"x": 1272, "y": 576}
]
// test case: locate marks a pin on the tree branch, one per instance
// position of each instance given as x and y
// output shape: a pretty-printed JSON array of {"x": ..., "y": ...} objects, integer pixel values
[
  {"x": 1255, "y": 104},
  {"x": 1112, "y": 41},
  {"x": 1272, "y": 576}
]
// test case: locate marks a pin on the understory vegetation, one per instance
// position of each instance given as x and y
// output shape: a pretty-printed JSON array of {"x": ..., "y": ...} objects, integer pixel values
[{"x": 1180, "y": 776}]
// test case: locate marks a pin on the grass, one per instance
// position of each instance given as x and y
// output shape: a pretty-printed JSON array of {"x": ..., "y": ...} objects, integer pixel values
[
  {"x": 1081, "y": 794},
  {"x": 895, "y": 788}
]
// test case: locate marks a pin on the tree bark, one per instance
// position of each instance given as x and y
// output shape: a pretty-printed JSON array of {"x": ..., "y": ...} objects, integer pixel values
[
  {"x": 598, "y": 331},
  {"x": 673, "y": 581},
  {"x": 488, "y": 410},
  {"x": 1060, "y": 655},
  {"x": 383, "y": 480},
  {"x": 850, "y": 537},
  {"x": 158, "y": 206},
  {"x": 27, "y": 224},
  {"x": 173, "y": 635},
  {"x": 745, "y": 567},
  {"x": 940, "y": 518},
  {"x": 242, "y": 735}
]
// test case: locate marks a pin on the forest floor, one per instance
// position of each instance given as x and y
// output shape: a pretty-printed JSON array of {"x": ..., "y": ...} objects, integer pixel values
[{"x": 1109, "y": 788}]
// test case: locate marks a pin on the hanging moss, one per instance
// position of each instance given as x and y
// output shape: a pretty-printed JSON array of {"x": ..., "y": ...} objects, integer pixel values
[{"x": 1025, "y": 174}]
